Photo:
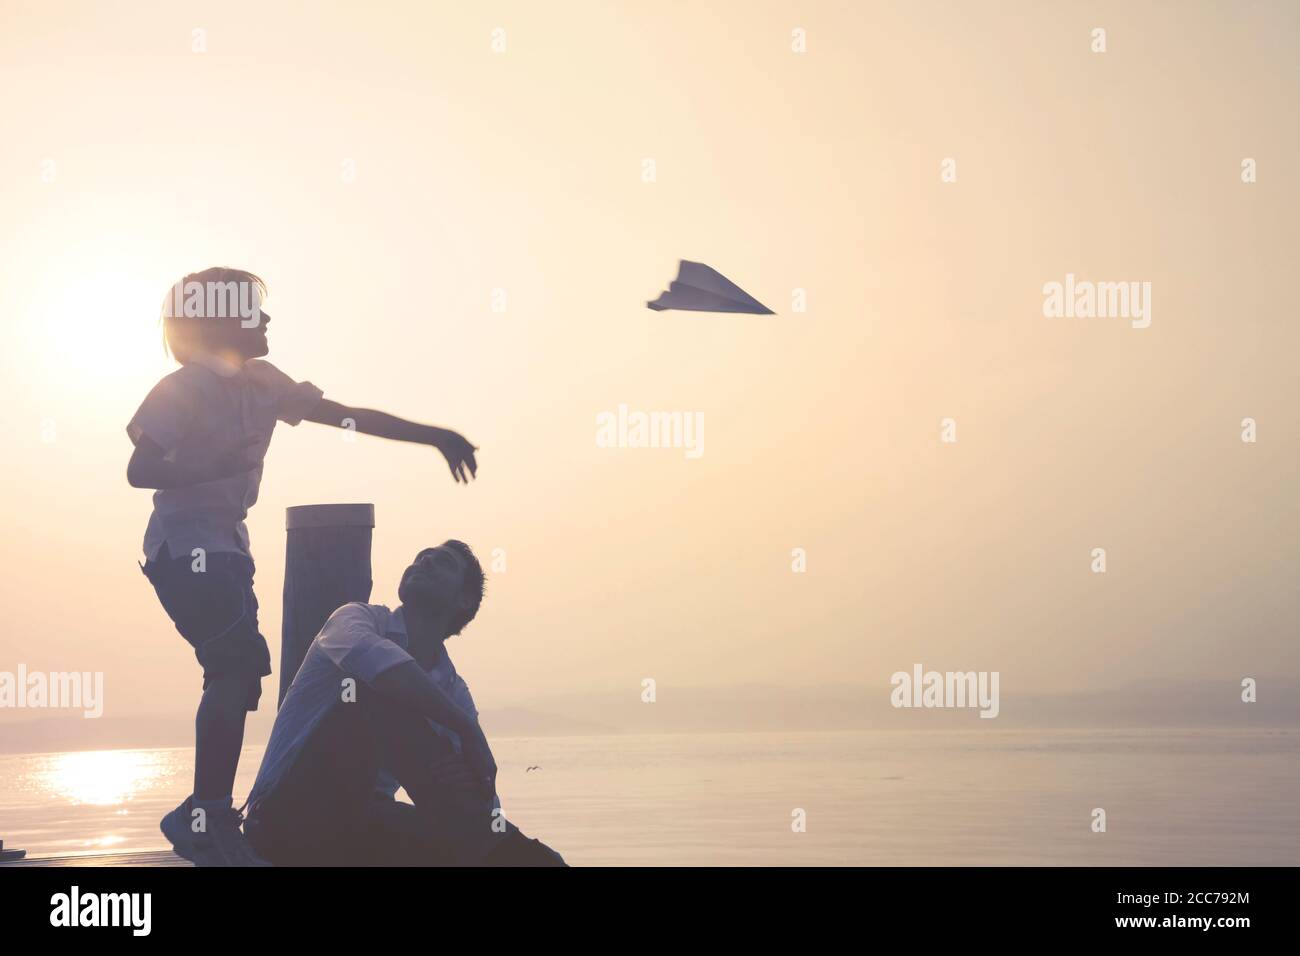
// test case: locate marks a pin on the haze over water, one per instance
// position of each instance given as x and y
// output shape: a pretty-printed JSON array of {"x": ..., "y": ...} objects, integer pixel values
[{"x": 903, "y": 798}]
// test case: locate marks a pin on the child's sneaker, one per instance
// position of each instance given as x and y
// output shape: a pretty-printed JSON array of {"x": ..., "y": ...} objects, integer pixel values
[
  {"x": 195, "y": 846},
  {"x": 220, "y": 842}
]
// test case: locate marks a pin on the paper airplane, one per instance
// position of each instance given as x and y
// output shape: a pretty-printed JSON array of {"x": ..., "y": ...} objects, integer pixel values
[{"x": 699, "y": 288}]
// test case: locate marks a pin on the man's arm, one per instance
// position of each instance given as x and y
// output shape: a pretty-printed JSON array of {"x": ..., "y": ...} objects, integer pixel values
[
  {"x": 455, "y": 448},
  {"x": 351, "y": 638},
  {"x": 407, "y": 685}
]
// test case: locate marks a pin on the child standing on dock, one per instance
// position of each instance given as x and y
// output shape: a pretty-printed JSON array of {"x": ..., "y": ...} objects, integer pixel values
[{"x": 200, "y": 437}]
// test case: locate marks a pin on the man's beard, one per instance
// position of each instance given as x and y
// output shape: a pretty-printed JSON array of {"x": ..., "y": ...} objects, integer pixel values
[{"x": 418, "y": 599}]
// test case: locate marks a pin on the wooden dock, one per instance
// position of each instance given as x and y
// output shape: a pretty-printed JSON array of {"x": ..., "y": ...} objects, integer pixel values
[{"x": 139, "y": 858}]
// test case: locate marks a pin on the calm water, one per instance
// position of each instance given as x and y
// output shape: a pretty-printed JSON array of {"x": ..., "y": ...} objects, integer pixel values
[{"x": 1008, "y": 797}]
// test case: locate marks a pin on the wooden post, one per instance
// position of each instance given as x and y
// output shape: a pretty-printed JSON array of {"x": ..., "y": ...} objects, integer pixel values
[{"x": 326, "y": 565}]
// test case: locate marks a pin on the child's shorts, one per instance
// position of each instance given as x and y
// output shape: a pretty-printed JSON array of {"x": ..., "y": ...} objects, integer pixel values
[{"x": 215, "y": 610}]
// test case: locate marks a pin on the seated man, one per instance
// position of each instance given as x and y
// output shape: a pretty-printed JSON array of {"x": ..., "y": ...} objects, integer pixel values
[{"x": 376, "y": 704}]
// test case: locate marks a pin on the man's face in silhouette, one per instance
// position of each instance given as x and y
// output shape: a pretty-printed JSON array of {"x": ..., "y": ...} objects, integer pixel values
[{"x": 435, "y": 581}]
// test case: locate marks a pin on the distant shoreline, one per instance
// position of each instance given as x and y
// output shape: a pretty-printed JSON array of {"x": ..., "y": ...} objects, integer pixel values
[{"x": 949, "y": 730}]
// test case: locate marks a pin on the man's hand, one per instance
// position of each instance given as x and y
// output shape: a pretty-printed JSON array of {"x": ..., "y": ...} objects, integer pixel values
[
  {"x": 453, "y": 770},
  {"x": 474, "y": 747},
  {"x": 458, "y": 452}
]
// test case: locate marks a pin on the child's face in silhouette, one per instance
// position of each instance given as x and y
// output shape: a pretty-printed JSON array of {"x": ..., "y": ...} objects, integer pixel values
[{"x": 230, "y": 335}]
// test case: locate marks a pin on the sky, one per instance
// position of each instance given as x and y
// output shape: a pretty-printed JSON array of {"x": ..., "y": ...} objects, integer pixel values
[{"x": 899, "y": 193}]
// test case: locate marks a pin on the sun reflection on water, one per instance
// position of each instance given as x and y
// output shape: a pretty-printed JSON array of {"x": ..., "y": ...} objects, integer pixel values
[{"x": 101, "y": 777}]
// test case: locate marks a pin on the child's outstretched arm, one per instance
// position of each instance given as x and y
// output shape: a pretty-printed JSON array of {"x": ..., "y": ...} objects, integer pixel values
[{"x": 455, "y": 448}]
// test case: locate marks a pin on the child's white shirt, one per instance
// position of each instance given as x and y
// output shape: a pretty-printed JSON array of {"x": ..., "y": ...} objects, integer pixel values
[{"x": 194, "y": 414}]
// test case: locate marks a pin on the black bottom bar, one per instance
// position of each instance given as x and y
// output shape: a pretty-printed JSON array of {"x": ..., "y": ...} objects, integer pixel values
[{"x": 230, "y": 906}]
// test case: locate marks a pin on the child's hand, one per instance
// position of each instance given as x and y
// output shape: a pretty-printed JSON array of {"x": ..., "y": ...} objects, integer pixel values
[{"x": 458, "y": 452}]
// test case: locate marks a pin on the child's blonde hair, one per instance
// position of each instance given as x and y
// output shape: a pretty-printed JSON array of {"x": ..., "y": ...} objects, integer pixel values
[{"x": 185, "y": 335}]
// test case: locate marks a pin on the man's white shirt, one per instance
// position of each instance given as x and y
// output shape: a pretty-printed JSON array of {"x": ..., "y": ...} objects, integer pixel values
[{"x": 359, "y": 641}]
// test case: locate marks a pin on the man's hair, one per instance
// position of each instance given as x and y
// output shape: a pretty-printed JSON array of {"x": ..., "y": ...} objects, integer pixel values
[
  {"x": 184, "y": 337},
  {"x": 474, "y": 585}
]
